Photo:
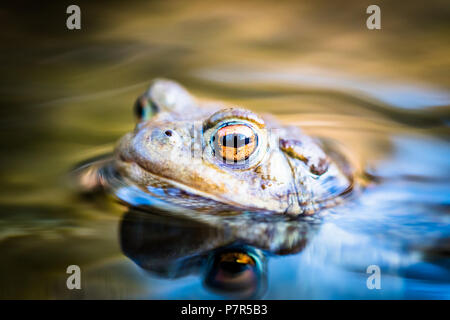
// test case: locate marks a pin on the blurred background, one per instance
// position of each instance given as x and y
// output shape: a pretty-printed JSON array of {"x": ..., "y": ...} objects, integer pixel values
[{"x": 67, "y": 95}]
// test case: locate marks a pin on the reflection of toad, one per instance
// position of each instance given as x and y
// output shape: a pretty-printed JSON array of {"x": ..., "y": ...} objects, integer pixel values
[{"x": 230, "y": 263}]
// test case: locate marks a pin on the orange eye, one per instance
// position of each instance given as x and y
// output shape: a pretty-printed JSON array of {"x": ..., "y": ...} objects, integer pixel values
[
  {"x": 235, "y": 142},
  {"x": 237, "y": 257}
]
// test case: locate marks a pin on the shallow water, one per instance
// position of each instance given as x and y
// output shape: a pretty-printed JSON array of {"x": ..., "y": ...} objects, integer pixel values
[{"x": 383, "y": 95}]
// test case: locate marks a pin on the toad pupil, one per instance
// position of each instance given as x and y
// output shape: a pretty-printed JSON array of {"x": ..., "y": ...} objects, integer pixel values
[{"x": 235, "y": 141}]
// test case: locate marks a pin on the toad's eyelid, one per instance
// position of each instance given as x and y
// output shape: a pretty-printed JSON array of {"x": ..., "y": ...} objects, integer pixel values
[{"x": 233, "y": 114}]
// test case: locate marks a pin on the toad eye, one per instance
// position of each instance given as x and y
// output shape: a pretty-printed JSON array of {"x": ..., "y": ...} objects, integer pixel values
[
  {"x": 144, "y": 108},
  {"x": 234, "y": 142},
  {"x": 235, "y": 139},
  {"x": 240, "y": 273}
]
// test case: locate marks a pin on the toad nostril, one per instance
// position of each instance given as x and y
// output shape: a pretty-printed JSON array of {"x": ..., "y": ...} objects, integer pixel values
[{"x": 168, "y": 133}]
